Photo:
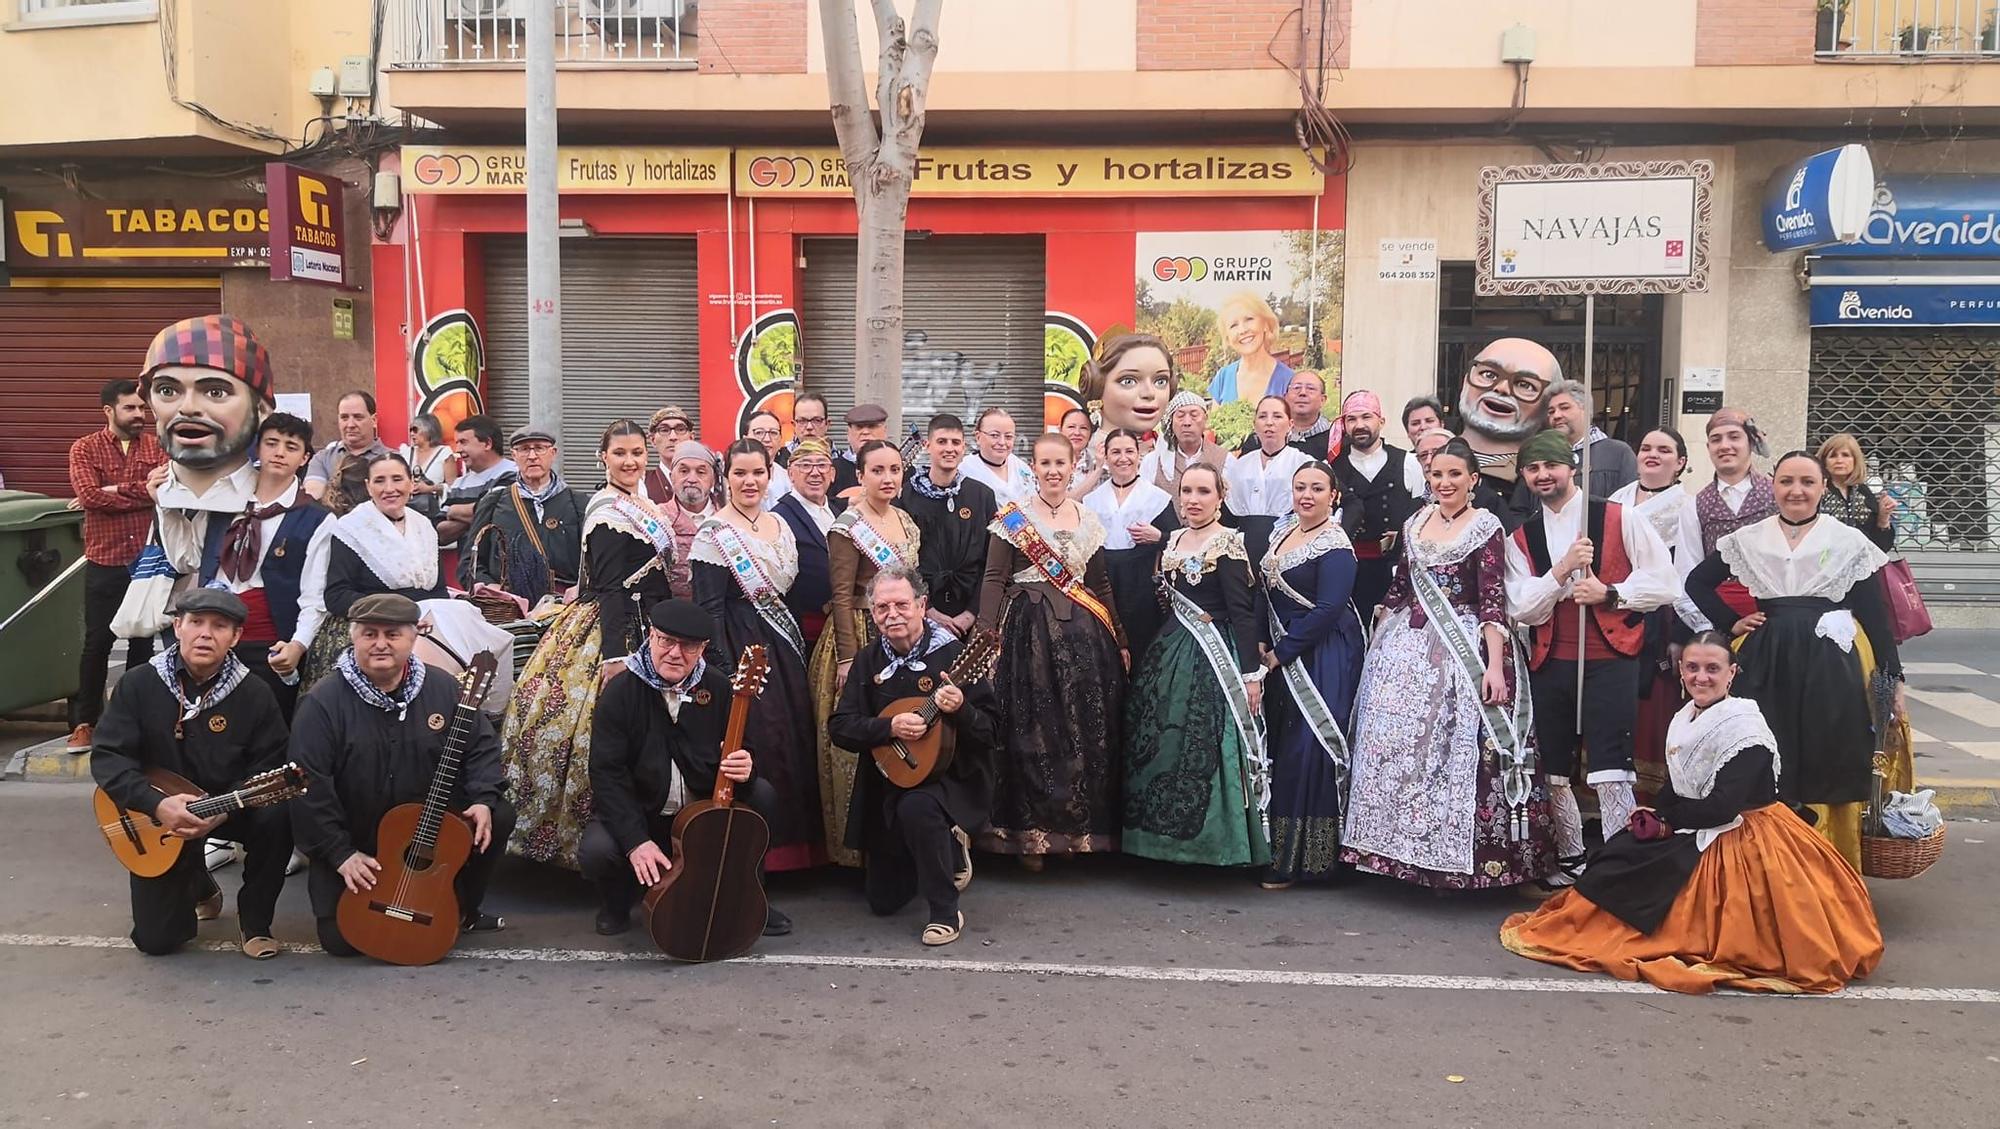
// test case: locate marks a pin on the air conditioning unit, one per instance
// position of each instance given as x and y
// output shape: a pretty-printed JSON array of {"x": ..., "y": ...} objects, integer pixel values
[
  {"x": 486, "y": 10},
  {"x": 671, "y": 11}
]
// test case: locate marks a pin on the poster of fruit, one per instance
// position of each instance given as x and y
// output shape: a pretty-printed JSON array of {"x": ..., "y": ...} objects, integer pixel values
[
  {"x": 1241, "y": 310},
  {"x": 766, "y": 367},
  {"x": 445, "y": 366}
]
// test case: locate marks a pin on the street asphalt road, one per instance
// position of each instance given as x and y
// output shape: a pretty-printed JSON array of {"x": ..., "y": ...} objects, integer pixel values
[{"x": 1106, "y": 992}]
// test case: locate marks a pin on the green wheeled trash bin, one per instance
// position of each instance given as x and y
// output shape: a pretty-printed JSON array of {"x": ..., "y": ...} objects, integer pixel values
[{"x": 40, "y": 537}]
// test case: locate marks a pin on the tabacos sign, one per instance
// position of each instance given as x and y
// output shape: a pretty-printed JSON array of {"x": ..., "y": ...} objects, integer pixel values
[
  {"x": 56, "y": 233},
  {"x": 1946, "y": 216},
  {"x": 308, "y": 231}
]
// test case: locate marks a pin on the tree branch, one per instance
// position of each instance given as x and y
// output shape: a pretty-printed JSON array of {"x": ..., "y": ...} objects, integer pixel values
[
  {"x": 891, "y": 34},
  {"x": 902, "y": 102},
  {"x": 847, "y": 90}
]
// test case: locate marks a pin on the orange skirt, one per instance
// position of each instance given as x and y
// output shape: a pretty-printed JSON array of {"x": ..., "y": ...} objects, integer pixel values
[{"x": 1771, "y": 907}]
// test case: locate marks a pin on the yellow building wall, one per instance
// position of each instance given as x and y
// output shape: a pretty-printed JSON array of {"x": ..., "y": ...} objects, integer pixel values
[
  {"x": 1396, "y": 34},
  {"x": 1028, "y": 36}
]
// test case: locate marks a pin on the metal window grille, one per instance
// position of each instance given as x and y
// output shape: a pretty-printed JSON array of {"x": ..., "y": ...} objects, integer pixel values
[
  {"x": 1907, "y": 29},
  {"x": 1926, "y": 410}
]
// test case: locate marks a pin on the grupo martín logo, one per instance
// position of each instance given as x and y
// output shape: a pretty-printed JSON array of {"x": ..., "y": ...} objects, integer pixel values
[
  {"x": 444, "y": 169},
  {"x": 780, "y": 172},
  {"x": 1180, "y": 268}
]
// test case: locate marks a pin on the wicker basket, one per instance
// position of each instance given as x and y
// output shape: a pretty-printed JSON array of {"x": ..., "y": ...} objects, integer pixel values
[
  {"x": 1886, "y": 857},
  {"x": 498, "y": 610}
]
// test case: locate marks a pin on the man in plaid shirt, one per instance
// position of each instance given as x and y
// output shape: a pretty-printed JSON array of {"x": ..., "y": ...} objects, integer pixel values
[{"x": 108, "y": 471}]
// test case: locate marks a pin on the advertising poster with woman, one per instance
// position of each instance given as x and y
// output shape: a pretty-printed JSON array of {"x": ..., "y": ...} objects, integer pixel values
[{"x": 1243, "y": 310}]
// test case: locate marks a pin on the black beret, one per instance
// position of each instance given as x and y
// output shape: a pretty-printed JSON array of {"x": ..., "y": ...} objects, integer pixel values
[
  {"x": 682, "y": 619},
  {"x": 215, "y": 600}
]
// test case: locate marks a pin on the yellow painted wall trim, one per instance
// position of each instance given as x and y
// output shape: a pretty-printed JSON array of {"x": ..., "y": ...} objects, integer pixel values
[{"x": 115, "y": 283}]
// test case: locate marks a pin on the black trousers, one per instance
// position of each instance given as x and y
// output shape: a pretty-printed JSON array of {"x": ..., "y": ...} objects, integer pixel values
[
  {"x": 257, "y": 656},
  {"x": 607, "y": 867},
  {"x": 163, "y": 908},
  {"x": 1371, "y": 583},
  {"x": 916, "y": 855},
  {"x": 324, "y": 884},
  {"x": 1610, "y": 703},
  {"x": 103, "y": 590}
]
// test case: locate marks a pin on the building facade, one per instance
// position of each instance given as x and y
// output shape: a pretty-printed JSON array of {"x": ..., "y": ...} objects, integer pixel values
[{"x": 1094, "y": 165}]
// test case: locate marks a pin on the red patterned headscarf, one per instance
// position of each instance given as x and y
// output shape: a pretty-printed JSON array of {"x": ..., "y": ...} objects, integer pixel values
[{"x": 218, "y": 341}]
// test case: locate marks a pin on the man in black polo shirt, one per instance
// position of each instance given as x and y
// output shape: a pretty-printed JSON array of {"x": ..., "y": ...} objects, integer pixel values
[{"x": 1379, "y": 487}]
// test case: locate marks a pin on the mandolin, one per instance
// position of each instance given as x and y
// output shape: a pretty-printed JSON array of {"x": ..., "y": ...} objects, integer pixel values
[
  {"x": 710, "y": 905},
  {"x": 910, "y": 763},
  {"x": 145, "y": 845},
  {"x": 411, "y": 916}
]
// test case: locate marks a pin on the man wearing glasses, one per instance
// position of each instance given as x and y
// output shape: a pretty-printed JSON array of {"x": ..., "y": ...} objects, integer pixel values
[
  {"x": 808, "y": 422},
  {"x": 669, "y": 428},
  {"x": 656, "y": 744},
  {"x": 1503, "y": 403}
]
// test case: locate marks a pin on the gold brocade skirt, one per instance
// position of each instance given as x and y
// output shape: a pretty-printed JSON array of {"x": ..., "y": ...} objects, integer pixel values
[{"x": 836, "y": 765}]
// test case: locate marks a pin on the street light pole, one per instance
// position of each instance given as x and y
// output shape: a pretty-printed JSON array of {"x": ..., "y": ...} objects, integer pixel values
[{"x": 544, "y": 246}]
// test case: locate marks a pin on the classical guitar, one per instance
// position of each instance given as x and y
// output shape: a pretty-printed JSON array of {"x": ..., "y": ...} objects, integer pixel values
[
  {"x": 710, "y": 905},
  {"x": 411, "y": 916},
  {"x": 145, "y": 845},
  {"x": 910, "y": 763}
]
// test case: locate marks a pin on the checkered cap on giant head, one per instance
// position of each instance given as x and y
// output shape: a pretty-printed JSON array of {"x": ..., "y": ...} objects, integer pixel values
[{"x": 218, "y": 341}]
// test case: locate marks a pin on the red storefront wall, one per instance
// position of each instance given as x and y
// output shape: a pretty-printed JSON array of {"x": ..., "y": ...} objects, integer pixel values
[{"x": 1090, "y": 249}]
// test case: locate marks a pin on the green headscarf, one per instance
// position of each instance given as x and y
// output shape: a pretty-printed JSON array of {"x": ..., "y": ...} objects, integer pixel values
[{"x": 1549, "y": 445}]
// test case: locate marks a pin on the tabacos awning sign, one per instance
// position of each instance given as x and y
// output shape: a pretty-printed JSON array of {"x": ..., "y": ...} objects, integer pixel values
[
  {"x": 57, "y": 233},
  {"x": 1821, "y": 200},
  {"x": 1210, "y": 170}
]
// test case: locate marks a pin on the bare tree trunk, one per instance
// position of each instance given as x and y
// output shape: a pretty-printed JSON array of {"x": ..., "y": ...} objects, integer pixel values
[{"x": 881, "y": 162}]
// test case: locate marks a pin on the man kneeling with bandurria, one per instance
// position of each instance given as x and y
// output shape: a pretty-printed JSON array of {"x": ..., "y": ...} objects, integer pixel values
[
  {"x": 196, "y": 712},
  {"x": 656, "y": 745},
  {"x": 915, "y": 839}
]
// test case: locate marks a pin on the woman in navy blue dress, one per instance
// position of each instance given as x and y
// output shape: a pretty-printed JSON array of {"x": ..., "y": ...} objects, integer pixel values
[{"x": 1316, "y": 665}]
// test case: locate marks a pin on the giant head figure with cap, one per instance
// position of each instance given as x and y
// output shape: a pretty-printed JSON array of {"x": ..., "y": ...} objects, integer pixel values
[
  {"x": 208, "y": 381},
  {"x": 1502, "y": 401}
]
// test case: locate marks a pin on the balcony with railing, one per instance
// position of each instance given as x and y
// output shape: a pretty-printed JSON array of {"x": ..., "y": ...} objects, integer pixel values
[
  {"x": 433, "y": 34},
  {"x": 1913, "y": 30}
]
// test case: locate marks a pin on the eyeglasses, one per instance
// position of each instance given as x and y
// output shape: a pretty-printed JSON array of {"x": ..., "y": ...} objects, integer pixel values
[
  {"x": 673, "y": 429},
  {"x": 808, "y": 419},
  {"x": 1523, "y": 386},
  {"x": 1003, "y": 436},
  {"x": 685, "y": 646},
  {"x": 532, "y": 448}
]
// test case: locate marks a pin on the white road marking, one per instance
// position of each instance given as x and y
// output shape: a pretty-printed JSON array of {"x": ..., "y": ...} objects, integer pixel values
[
  {"x": 1592, "y": 985},
  {"x": 1975, "y": 708},
  {"x": 1956, "y": 670}
]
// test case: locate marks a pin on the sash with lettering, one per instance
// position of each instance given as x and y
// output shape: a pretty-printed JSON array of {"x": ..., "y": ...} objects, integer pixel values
[
  {"x": 756, "y": 584},
  {"x": 1318, "y": 715},
  {"x": 1506, "y": 733},
  {"x": 1256, "y": 766},
  {"x": 1014, "y": 524},
  {"x": 873, "y": 544}
]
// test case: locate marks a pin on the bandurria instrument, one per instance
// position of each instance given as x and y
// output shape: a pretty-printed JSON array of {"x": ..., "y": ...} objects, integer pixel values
[
  {"x": 411, "y": 916},
  {"x": 145, "y": 845},
  {"x": 910, "y": 763},
  {"x": 710, "y": 904}
]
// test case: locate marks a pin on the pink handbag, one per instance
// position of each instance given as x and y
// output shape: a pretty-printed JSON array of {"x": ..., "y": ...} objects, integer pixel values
[{"x": 1908, "y": 617}]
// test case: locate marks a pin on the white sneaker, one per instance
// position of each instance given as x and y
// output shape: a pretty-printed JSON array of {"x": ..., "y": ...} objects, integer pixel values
[
  {"x": 218, "y": 853},
  {"x": 297, "y": 863}
]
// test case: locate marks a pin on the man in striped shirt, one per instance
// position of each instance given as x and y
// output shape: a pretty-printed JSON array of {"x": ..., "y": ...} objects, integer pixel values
[{"x": 107, "y": 472}]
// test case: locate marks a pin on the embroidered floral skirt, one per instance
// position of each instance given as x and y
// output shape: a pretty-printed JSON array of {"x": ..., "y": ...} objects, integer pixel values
[
  {"x": 1425, "y": 803},
  {"x": 545, "y": 738},
  {"x": 1188, "y": 796},
  {"x": 327, "y": 645},
  {"x": 836, "y": 765}
]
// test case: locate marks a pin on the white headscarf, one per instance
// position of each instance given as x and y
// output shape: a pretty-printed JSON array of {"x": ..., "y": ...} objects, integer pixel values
[{"x": 1700, "y": 742}]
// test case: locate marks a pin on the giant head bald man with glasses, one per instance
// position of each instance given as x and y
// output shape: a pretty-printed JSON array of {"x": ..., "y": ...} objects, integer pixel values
[{"x": 1503, "y": 403}]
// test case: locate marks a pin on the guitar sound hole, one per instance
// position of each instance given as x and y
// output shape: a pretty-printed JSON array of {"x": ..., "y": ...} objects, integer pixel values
[{"x": 417, "y": 861}]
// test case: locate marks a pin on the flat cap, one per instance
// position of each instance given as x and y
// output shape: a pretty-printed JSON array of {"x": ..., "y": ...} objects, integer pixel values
[
  {"x": 385, "y": 607},
  {"x": 866, "y": 414},
  {"x": 531, "y": 433},
  {"x": 682, "y": 619},
  {"x": 218, "y": 600}
]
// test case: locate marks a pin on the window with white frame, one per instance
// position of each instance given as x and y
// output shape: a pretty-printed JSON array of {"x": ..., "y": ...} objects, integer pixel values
[{"x": 86, "y": 11}]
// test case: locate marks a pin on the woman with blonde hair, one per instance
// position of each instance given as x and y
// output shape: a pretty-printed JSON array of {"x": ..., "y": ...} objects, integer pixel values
[
  {"x": 1251, "y": 329},
  {"x": 1848, "y": 496}
]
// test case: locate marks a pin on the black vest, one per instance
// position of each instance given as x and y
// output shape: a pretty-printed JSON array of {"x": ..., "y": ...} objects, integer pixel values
[{"x": 1371, "y": 508}]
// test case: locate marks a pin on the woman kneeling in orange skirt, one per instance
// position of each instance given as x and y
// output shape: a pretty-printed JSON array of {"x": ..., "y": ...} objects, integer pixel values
[{"x": 1718, "y": 884}]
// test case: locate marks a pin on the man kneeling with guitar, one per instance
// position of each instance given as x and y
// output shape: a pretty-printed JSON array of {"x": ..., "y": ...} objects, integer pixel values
[
  {"x": 914, "y": 838},
  {"x": 655, "y": 745},
  {"x": 373, "y": 738},
  {"x": 195, "y": 712}
]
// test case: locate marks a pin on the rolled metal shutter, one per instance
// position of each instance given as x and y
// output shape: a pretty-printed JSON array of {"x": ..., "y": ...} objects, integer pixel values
[
  {"x": 972, "y": 327},
  {"x": 630, "y": 342},
  {"x": 57, "y": 348}
]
